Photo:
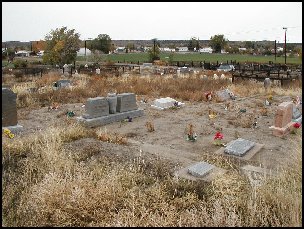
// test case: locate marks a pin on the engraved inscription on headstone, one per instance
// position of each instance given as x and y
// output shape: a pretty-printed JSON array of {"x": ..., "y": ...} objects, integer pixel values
[
  {"x": 126, "y": 102},
  {"x": 200, "y": 169},
  {"x": 9, "y": 108},
  {"x": 96, "y": 107},
  {"x": 239, "y": 147}
]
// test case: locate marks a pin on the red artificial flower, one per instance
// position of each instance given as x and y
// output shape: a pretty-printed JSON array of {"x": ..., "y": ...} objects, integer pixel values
[
  {"x": 296, "y": 125},
  {"x": 218, "y": 135}
]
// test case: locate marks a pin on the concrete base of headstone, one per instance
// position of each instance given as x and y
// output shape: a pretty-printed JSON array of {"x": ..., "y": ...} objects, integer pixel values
[
  {"x": 256, "y": 148},
  {"x": 99, "y": 121},
  {"x": 14, "y": 129},
  {"x": 281, "y": 132},
  {"x": 210, "y": 176}
]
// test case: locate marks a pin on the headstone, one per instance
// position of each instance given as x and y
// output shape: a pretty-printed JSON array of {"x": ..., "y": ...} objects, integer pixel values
[
  {"x": 283, "y": 119},
  {"x": 98, "y": 71},
  {"x": 66, "y": 69},
  {"x": 126, "y": 102},
  {"x": 9, "y": 108},
  {"x": 239, "y": 147},
  {"x": 112, "y": 99},
  {"x": 267, "y": 83},
  {"x": 283, "y": 114},
  {"x": 96, "y": 107},
  {"x": 200, "y": 169}
]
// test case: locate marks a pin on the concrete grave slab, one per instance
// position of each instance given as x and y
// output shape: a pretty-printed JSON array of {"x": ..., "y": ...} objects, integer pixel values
[
  {"x": 14, "y": 129},
  {"x": 200, "y": 169},
  {"x": 208, "y": 177},
  {"x": 164, "y": 103},
  {"x": 239, "y": 147},
  {"x": 256, "y": 148},
  {"x": 99, "y": 121}
]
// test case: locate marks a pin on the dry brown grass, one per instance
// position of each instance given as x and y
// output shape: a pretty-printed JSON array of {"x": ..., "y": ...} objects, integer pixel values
[
  {"x": 116, "y": 138},
  {"x": 43, "y": 185}
]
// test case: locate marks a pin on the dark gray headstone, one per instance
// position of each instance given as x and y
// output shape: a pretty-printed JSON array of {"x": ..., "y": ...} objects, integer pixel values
[
  {"x": 96, "y": 107},
  {"x": 239, "y": 147},
  {"x": 126, "y": 102},
  {"x": 9, "y": 108},
  {"x": 200, "y": 169}
]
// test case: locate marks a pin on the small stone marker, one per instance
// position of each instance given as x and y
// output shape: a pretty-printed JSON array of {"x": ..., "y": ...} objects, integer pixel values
[
  {"x": 9, "y": 108},
  {"x": 126, "y": 102},
  {"x": 98, "y": 71},
  {"x": 200, "y": 169},
  {"x": 239, "y": 147},
  {"x": 96, "y": 107}
]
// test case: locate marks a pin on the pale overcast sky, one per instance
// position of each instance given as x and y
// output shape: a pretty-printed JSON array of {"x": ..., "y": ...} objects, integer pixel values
[{"x": 255, "y": 21}]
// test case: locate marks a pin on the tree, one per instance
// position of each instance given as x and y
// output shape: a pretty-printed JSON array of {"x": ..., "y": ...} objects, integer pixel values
[
  {"x": 193, "y": 43},
  {"x": 61, "y": 46},
  {"x": 154, "y": 51},
  {"x": 130, "y": 47},
  {"x": 249, "y": 45},
  {"x": 103, "y": 42},
  {"x": 218, "y": 42}
]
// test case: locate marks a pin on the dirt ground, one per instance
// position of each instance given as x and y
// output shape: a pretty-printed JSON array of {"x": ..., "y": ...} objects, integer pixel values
[{"x": 168, "y": 141}]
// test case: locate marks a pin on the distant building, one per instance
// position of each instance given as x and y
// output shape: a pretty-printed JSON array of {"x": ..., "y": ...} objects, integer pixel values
[
  {"x": 120, "y": 49},
  {"x": 242, "y": 49},
  {"x": 22, "y": 53},
  {"x": 182, "y": 49},
  {"x": 206, "y": 50}
]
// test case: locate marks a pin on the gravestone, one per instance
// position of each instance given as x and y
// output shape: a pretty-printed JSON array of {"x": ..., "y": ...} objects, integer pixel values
[
  {"x": 112, "y": 99},
  {"x": 267, "y": 83},
  {"x": 98, "y": 71},
  {"x": 283, "y": 114},
  {"x": 66, "y": 69},
  {"x": 200, "y": 169},
  {"x": 239, "y": 147},
  {"x": 9, "y": 108},
  {"x": 96, "y": 107},
  {"x": 126, "y": 102}
]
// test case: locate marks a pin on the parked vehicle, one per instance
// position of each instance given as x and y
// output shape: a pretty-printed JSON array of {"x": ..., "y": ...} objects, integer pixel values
[{"x": 225, "y": 68}]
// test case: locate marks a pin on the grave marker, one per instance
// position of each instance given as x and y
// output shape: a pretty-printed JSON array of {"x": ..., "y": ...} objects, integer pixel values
[
  {"x": 96, "y": 107},
  {"x": 9, "y": 108},
  {"x": 126, "y": 102},
  {"x": 200, "y": 169},
  {"x": 239, "y": 147}
]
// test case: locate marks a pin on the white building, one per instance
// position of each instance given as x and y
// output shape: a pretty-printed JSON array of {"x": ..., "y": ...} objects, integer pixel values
[
  {"x": 206, "y": 50},
  {"x": 23, "y": 53},
  {"x": 183, "y": 49},
  {"x": 242, "y": 49}
]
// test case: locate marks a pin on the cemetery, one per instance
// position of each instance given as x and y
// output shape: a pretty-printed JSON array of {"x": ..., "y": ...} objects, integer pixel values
[{"x": 193, "y": 128}]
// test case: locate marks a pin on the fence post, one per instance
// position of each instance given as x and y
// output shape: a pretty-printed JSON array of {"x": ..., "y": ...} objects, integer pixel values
[{"x": 41, "y": 72}]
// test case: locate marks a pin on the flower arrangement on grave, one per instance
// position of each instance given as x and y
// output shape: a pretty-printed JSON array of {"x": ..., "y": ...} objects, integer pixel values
[
  {"x": 295, "y": 128},
  {"x": 208, "y": 96},
  {"x": 191, "y": 136},
  {"x": 218, "y": 137},
  {"x": 8, "y": 133},
  {"x": 212, "y": 114},
  {"x": 70, "y": 114}
]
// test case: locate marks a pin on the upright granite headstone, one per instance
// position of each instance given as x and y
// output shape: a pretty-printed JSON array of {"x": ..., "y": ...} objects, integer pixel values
[
  {"x": 63, "y": 83},
  {"x": 9, "y": 108},
  {"x": 96, "y": 107},
  {"x": 126, "y": 102},
  {"x": 239, "y": 147}
]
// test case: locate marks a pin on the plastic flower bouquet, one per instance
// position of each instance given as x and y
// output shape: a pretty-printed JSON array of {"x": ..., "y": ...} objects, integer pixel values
[{"x": 218, "y": 137}]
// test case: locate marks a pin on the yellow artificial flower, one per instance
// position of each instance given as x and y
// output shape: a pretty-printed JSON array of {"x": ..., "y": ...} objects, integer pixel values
[
  {"x": 6, "y": 131},
  {"x": 11, "y": 135}
]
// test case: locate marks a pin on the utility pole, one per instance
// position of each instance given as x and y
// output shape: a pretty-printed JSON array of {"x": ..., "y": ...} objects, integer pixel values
[
  {"x": 285, "y": 28},
  {"x": 275, "y": 50}
]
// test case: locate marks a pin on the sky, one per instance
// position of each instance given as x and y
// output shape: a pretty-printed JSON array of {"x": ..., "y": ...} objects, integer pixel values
[{"x": 237, "y": 21}]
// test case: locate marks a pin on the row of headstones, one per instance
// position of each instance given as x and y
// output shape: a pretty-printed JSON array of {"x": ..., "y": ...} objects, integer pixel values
[{"x": 103, "y": 106}]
